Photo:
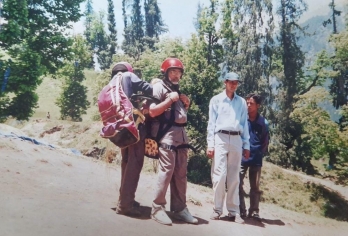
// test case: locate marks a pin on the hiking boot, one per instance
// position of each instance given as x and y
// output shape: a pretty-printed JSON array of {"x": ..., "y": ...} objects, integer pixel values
[
  {"x": 236, "y": 218},
  {"x": 133, "y": 211},
  {"x": 215, "y": 215},
  {"x": 185, "y": 216},
  {"x": 158, "y": 214}
]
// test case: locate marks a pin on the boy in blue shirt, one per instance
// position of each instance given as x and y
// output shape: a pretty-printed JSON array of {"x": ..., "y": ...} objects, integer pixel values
[{"x": 259, "y": 139}]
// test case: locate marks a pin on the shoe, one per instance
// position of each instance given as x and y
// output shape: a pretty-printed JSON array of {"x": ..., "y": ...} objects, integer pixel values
[
  {"x": 243, "y": 215},
  {"x": 185, "y": 216},
  {"x": 215, "y": 216},
  {"x": 133, "y": 211},
  {"x": 236, "y": 218},
  {"x": 255, "y": 215},
  {"x": 159, "y": 215}
]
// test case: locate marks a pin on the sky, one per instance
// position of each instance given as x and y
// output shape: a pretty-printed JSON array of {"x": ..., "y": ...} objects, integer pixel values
[{"x": 179, "y": 15}]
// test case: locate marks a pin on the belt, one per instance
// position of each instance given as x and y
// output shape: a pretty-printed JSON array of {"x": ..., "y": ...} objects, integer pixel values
[
  {"x": 179, "y": 125},
  {"x": 229, "y": 132}
]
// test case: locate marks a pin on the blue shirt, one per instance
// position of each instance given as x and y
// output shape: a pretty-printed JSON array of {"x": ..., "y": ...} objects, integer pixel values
[
  {"x": 259, "y": 139},
  {"x": 228, "y": 114}
]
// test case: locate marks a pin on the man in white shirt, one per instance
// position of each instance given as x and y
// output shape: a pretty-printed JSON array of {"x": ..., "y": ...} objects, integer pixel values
[{"x": 228, "y": 141}]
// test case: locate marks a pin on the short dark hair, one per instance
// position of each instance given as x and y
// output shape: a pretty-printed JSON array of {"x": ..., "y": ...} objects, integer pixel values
[{"x": 257, "y": 98}]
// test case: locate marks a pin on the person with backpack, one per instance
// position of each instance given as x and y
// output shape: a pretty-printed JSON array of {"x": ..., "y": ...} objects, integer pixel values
[
  {"x": 228, "y": 141},
  {"x": 133, "y": 155},
  {"x": 259, "y": 139},
  {"x": 173, "y": 145}
]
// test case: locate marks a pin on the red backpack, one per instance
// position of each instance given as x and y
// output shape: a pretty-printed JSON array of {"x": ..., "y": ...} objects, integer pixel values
[{"x": 116, "y": 112}]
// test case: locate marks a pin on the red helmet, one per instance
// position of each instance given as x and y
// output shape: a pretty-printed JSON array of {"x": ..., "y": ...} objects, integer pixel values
[
  {"x": 121, "y": 66},
  {"x": 171, "y": 63}
]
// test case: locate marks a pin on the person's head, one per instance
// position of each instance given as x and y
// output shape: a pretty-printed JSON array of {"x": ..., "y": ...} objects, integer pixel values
[
  {"x": 121, "y": 67},
  {"x": 172, "y": 69},
  {"x": 253, "y": 102},
  {"x": 231, "y": 81}
]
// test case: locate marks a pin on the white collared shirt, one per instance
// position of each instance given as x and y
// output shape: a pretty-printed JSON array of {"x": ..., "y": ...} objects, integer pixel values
[{"x": 228, "y": 114}]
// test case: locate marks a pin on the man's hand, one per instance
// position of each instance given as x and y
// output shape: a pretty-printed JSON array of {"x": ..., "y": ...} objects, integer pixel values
[
  {"x": 174, "y": 96},
  {"x": 210, "y": 152},
  {"x": 185, "y": 100},
  {"x": 246, "y": 154}
]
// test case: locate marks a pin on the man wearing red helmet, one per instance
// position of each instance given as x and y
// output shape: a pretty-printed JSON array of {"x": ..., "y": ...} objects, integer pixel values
[
  {"x": 173, "y": 151},
  {"x": 133, "y": 155}
]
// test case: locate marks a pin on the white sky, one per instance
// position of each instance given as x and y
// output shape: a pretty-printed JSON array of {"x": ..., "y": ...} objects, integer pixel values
[{"x": 178, "y": 15}]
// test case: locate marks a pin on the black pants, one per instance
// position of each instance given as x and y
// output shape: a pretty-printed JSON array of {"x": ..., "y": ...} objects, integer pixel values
[{"x": 255, "y": 193}]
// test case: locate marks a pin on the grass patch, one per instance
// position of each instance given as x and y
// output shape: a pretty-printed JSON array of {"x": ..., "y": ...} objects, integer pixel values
[{"x": 292, "y": 193}]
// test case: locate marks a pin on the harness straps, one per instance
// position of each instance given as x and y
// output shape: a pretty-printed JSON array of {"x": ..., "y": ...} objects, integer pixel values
[
  {"x": 175, "y": 148},
  {"x": 171, "y": 122}
]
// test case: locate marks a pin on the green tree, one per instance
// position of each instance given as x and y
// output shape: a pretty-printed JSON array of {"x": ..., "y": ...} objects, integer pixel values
[
  {"x": 133, "y": 43},
  {"x": 73, "y": 100},
  {"x": 101, "y": 41},
  {"x": 339, "y": 85},
  {"x": 112, "y": 29},
  {"x": 252, "y": 55},
  {"x": 288, "y": 63},
  {"x": 333, "y": 15},
  {"x": 89, "y": 16},
  {"x": 35, "y": 40},
  {"x": 154, "y": 25},
  {"x": 320, "y": 134}
]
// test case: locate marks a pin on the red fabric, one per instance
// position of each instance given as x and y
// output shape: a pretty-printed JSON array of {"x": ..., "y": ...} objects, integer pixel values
[{"x": 116, "y": 112}]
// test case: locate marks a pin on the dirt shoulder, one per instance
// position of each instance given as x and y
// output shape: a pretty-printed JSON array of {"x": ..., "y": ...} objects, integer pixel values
[{"x": 51, "y": 191}]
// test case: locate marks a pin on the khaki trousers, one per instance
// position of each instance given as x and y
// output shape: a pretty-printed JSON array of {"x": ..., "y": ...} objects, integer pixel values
[
  {"x": 225, "y": 172},
  {"x": 173, "y": 171}
]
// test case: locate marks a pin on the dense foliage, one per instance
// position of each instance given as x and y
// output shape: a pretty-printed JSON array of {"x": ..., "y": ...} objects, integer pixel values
[{"x": 34, "y": 41}]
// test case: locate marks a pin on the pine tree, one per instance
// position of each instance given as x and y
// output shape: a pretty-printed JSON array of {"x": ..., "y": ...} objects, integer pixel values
[
  {"x": 88, "y": 21},
  {"x": 89, "y": 16},
  {"x": 101, "y": 41},
  {"x": 133, "y": 43},
  {"x": 209, "y": 33},
  {"x": 154, "y": 25},
  {"x": 337, "y": 87},
  {"x": 290, "y": 59},
  {"x": 112, "y": 28},
  {"x": 252, "y": 54},
  {"x": 73, "y": 101}
]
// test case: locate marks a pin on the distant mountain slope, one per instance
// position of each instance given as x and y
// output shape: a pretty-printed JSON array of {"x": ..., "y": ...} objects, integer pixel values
[{"x": 319, "y": 35}]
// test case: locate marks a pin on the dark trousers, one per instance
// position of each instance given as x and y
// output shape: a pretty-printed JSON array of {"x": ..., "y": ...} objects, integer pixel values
[
  {"x": 255, "y": 193},
  {"x": 131, "y": 165}
]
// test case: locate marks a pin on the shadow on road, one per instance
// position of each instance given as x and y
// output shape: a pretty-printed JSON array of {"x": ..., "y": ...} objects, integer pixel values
[{"x": 146, "y": 212}]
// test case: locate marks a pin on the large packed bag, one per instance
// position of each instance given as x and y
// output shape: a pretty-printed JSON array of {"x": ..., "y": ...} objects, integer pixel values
[{"x": 116, "y": 112}]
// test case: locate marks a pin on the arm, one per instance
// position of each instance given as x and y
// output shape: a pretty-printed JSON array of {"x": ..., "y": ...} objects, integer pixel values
[
  {"x": 156, "y": 110},
  {"x": 244, "y": 123},
  {"x": 211, "y": 128},
  {"x": 265, "y": 137},
  {"x": 138, "y": 84}
]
